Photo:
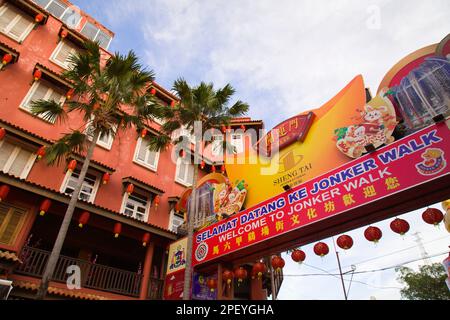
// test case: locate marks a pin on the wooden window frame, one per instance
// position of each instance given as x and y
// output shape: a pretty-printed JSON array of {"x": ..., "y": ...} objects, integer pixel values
[
  {"x": 31, "y": 160},
  {"x": 153, "y": 167},
  {"x": 27, "y": 31}
]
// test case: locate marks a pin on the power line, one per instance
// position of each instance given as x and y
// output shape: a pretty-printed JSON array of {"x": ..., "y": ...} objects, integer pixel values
[
  {"x": 326, "y": 273},
  {"x": 392, "y": 253}
]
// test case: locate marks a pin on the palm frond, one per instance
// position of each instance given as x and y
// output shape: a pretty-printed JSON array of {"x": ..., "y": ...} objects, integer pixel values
[
  {"x": 158, "y": 142},
  {"x": 48, "y": 110},
  {"x": 74, "y": 142}
]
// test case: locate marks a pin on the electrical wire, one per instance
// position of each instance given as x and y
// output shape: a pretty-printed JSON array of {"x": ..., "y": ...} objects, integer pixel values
[
  {"x": 391, "y": 253},
  {"x": 326, "y": 273}
]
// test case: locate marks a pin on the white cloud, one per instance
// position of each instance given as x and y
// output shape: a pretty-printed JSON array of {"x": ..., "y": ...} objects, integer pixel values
[{"x": 287, "y": 56}]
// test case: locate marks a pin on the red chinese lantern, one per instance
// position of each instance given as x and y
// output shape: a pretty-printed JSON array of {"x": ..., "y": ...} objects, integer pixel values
[
  {"x": 39, "y": 18},
  {"x": 45, "y": 205},
  {"x": 7, "y": 58},
  {"x": 70, "y": 94},
  {"x": 298, "y": 256},
  {"x": 152, "y": 91},
  {"x": 72, "y": 165},
  {"x": 130, "y": 188},
  {"x": 84, "y": 219},
  {"x": 433, "y": 216},
  {"x": 243, "y": 128},
  {"x": 212, "y": 284},
  {"x": 278, "y": 263},
  {"x": 400, "y": 226},
  {"x": 64, "y": 33},
  {"x": 144, "y": 133},
  {"x": 4, "y": 190},
  {"x": 373, "y": 234},
  {"x": 228, "y": 276},
  {"x": 345, "y": 242},
  {"x": 222, "y": 169},
  {"x": 223, "y": 128},
  {"x": 241, "y": 274},
  {"x": 259, "y": 269},
  {"x": 106, "y": 177},
  {"x": 37, "y": 74},
  {"x": 145, "y": 239},
  {"x": 157, "y": 201},
  {"x": 202, "y": 165},
  {"x": 117, "y": 229},
  {"x": 321, "y": 249},
  {"x": 2, "y": 133},
  {"x": 172, "y": 103},
  {"x": 41, "y": 152},
  {"x": 213, "y": 169}
]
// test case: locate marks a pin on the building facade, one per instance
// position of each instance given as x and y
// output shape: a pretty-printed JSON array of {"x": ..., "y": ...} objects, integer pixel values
[{"x": 118, "y": 239}]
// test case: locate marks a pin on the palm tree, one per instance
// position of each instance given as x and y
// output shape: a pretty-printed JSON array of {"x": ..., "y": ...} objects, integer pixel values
[
  {"x": 111, "y": 95},
  {"x": 200, "y": 109}
]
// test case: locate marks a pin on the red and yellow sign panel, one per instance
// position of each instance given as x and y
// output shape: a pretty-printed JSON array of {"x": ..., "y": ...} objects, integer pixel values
[
  {"x": 289, "y": 131},
  {"x": 416, "y": 159}
]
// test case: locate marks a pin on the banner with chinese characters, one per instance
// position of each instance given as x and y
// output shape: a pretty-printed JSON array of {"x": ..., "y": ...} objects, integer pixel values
[{"x": 413, "y": 160}]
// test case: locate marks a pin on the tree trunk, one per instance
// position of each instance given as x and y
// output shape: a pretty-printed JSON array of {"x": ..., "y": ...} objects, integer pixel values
[
  {"x": 192, "y": 211},
  {"x": 53, "y": 259}
]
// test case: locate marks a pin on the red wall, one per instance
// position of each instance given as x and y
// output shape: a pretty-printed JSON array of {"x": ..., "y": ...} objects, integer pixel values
[{"x": 15, "y": 83}]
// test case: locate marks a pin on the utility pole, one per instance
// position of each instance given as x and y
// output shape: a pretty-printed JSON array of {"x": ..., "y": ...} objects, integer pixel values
[
  {"x": 423, "y": 252},
  {"x": 340, "y": 270}
]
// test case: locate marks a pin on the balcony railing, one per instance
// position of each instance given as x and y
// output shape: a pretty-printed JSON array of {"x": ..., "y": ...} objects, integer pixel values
[{"x": 93, "y": 276}]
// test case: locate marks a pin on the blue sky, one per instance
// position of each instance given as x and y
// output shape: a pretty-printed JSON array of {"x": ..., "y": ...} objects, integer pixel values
[{"x": 284, "y": 57}]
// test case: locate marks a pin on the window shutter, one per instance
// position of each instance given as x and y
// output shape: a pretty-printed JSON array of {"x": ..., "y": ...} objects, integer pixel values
[
  {"x": 11, "y": 223},
  {"x": 38, "y": 94},
  {"x": 6, "y": 150},
  {"x": 20, "y": 27},
  {"x": 190, "y": 174},
  {"x": 142, "y": 150},
  {"x": 65, "y": 52},
  {"x": 55, "y": 96},
  {"x": 3, "y": 213},
  {"x": 20, "y": 162},
  {"x": 181, "y": 171},
  {"x": 6, "y": 17}
]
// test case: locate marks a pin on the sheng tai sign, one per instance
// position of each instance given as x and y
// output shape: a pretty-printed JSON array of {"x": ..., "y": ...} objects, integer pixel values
[{"x": 415, "y": 159}]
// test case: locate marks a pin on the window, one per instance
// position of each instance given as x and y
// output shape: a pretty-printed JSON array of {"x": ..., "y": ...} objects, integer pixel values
[
  {"x": 185, "y": 172},
  {"x": 89, "y": 187},
  {"x": 237, "y": 142},
  {"x": 104, "y": 140},
  {"x": 95, "y": 34},
  {"x": 136, "y": 206},
  {"x": 175, "y": 221},
  {"x": 14, "y": 23},
  {"x": 63, "y": 52},
  {"x": 217, "y": 145},
  {"x": 144, "y": 156},
  {"x": 11, "y": 220},
  {"x": 62, "y": 11},
  {"x": 183, "y": 132},
  {"x": 43, "y": 90},
  {"x": 16, "y": 159}
]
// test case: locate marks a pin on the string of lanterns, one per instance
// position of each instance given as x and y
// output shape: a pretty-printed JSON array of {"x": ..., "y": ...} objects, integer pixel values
[{"x": 373, "y": 234}]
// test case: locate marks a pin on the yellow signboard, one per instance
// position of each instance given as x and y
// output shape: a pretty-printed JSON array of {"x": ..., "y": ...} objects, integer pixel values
[
  {"x": 177, "y": 256},
  {"x": 302, "y": 161}
]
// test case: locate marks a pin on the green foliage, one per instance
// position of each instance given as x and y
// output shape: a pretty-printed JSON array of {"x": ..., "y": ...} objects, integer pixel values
[
  {"x": 202, "y": 104},
  {"x": 426, "y": 284},
  {"x": 110, "y": 95}
]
